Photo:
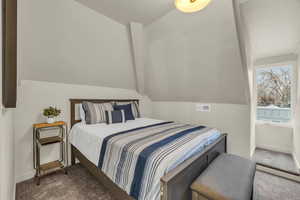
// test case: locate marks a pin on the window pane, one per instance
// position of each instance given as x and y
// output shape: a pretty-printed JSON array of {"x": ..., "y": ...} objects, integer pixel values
[{"x": 274, "y": 93}]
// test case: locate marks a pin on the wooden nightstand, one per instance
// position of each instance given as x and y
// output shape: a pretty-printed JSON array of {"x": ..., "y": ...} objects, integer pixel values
[{"x": 39, "y": 142}]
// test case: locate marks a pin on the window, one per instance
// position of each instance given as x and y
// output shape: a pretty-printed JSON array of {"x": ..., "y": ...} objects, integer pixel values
[{"x": 274, "y": 93}]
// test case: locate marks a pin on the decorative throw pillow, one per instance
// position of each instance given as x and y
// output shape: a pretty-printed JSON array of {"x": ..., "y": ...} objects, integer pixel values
[
  {"x": 134, "y": 107},
  {"x": 116, "y": 116},
  {"x": 95, "y": 112},
  {"x": 127, "y": 110}
]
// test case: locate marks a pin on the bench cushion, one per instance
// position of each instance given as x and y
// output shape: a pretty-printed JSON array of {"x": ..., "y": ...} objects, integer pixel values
[{"x": 227, "y": 177}]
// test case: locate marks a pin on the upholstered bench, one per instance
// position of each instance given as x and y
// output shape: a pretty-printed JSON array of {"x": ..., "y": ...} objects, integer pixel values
[{"x": 228, "y": 177}]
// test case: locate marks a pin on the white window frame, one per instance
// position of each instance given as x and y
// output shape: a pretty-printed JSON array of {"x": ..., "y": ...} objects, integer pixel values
[{"x": 293, "y": 91}]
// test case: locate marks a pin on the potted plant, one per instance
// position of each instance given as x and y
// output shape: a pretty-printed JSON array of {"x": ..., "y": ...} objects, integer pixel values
[{"x": 51, "y": 113}]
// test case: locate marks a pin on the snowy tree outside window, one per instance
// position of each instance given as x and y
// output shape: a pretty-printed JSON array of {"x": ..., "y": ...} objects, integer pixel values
[{"x": 274, "y": 93}]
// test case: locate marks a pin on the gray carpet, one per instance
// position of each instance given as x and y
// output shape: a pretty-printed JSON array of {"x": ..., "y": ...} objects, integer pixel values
[
  {"x": 80, "y": 185},
  {"x": 275, "y": 159},
  {"x": 77, "y": 185},
  {"x": 269, "y": 187}
]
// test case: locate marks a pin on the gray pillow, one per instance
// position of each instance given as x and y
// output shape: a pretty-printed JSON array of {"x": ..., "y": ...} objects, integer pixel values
[{"x": 95, "y": 112}]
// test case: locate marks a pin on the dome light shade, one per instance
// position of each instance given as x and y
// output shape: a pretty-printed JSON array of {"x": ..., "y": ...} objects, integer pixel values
[{"x": 189, "y": 6}]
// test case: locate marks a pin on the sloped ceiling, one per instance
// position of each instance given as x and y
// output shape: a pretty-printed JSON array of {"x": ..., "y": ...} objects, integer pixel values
[
  {"x": 189, "y": 57},
  {"x": 195, "y": 57},
  {"x": 125, "y": 11},
  {"x": 66, "y": 42},
  {"x": 274, "y": 26}
]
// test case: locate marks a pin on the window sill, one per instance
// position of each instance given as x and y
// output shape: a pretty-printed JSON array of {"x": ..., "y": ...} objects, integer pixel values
[{"x": 278, "y": 124}]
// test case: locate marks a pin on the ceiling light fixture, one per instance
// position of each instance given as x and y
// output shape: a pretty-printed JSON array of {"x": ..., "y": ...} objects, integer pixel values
[{"x": 189, "y": 6}]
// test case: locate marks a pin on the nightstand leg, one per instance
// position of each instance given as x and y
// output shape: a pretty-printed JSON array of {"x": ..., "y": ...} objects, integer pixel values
[
  {"x": 34, "y": 148},
  {"x": 38, "y": 165},
  {"x": 61, "y": 133},
  {"x": 67, "y": 145}
]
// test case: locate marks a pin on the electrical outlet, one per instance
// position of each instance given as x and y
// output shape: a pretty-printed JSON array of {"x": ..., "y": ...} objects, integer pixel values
[{"x": 203, "y": 107}]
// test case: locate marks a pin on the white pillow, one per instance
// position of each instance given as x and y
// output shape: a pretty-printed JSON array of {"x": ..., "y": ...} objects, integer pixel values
[{"x": 81, "y": 113}]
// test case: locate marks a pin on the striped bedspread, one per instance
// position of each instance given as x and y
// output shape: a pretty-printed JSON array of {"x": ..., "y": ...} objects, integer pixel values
[{"x": 136, "y": 159}]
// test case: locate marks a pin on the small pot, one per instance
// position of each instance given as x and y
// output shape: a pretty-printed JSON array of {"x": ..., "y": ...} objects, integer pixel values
[{"x": 50, "y": 120}]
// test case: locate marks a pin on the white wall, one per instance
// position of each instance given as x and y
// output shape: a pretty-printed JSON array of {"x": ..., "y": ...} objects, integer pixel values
[
  {"x": 276, "y": 138},
  {"x": 67, "y": 42},
  {"x": 7, "y": 180},
  {"x": 228, "y": 118},
  {"x": 33, "y": 96},
  {"x": 274, "y": 27},
  {"x": 195, "y": 57},
  {"x": 7, "y": 165},
  {"x": 297, "y": 116}
]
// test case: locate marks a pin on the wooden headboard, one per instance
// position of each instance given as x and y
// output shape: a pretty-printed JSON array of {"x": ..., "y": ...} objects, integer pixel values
[{"x": 74, "y": 102}]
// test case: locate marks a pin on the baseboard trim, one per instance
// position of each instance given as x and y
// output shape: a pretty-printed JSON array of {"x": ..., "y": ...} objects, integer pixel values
[
  {"x": 25, "y": 176},
  {"x": 278, "y": 169},
  {"x": 272, "y": 148},
  {"x": 278, "y": 173}
]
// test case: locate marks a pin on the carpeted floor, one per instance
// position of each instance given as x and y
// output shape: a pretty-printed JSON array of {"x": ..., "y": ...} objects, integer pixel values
[
  {"x": 269, "y": 187},
  {"x": 80, "y": 185},
  {"x": 275, "y": 159},
  {"x": 77, "y": 185}
]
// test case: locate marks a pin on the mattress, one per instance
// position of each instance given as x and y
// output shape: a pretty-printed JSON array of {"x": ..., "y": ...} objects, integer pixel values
[{"x": 136, "y": 154}]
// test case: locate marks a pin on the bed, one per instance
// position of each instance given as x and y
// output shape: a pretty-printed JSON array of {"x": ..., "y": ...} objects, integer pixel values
[{"x": 144, "y": 159}]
